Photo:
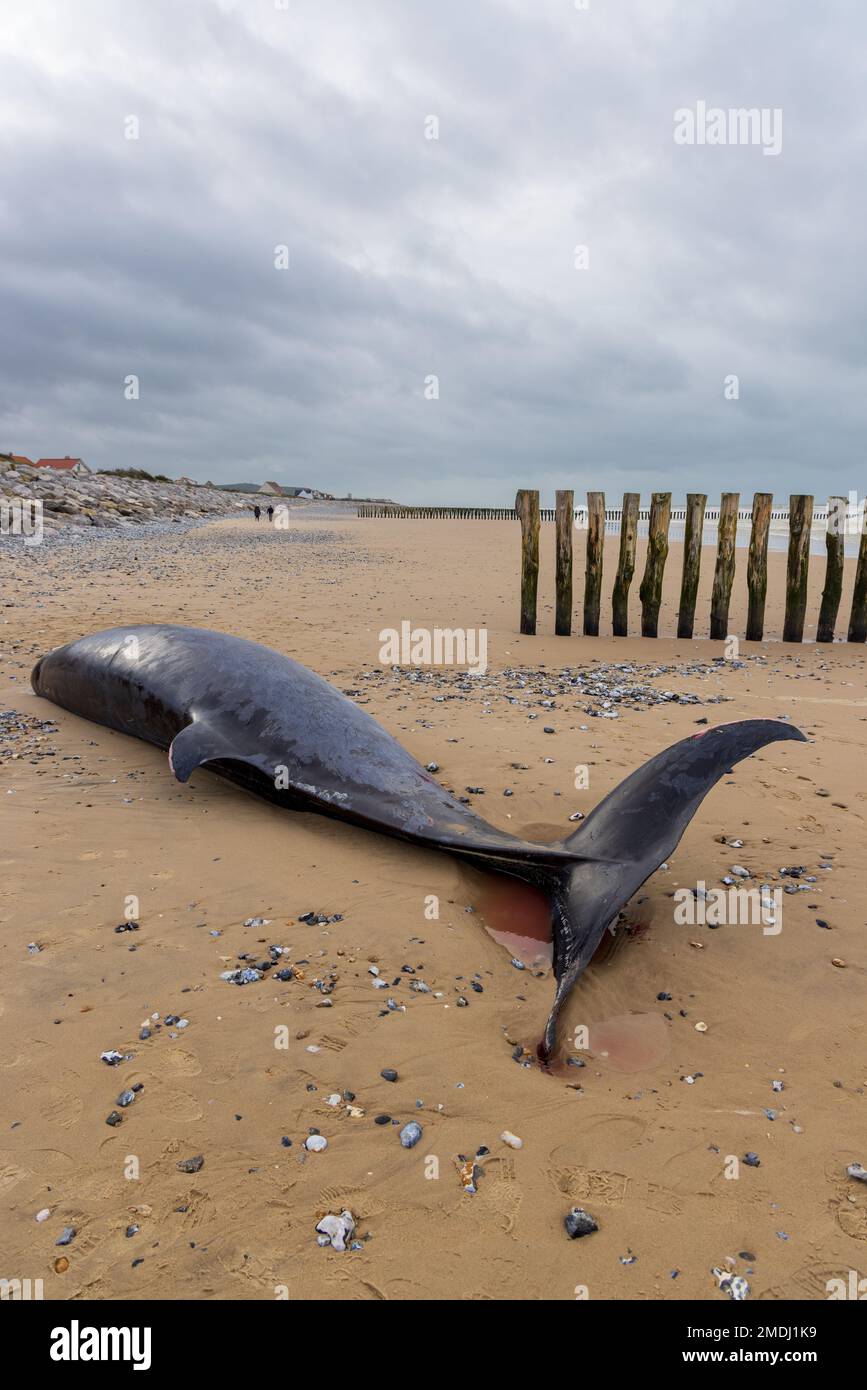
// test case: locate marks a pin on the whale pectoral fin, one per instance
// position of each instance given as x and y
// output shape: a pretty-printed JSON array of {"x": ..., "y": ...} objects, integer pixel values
[{"x": 198, "y": 743}]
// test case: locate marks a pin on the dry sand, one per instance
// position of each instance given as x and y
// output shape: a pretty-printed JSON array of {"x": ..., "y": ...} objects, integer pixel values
[{"x": 626, "y": 1137}]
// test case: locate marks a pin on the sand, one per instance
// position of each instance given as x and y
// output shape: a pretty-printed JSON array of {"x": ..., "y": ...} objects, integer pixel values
[{"x": 626, "y": 1137}]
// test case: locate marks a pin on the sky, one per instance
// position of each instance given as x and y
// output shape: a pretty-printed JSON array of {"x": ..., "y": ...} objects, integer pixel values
[{"x": 333, "y": 243}]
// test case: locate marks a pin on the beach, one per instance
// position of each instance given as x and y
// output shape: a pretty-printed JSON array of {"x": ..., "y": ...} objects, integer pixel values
[{"x": 641, "y": 1136}]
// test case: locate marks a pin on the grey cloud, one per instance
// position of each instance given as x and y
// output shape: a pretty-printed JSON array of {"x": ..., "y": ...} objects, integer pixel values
[{"x": 452, "y": 256}]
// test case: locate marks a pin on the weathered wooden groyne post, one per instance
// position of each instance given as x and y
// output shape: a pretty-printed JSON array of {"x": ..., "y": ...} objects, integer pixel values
[
  {"x": 650, "y": 591},
  {"x": 858, "y": 615},
  {"x": 797, "y": 569},
  {"x": 757, "y": 566},
  {"x": 695, "y": 505},
  {"x": 593, "y": 569},
  {"x": 563, "y": 577},
  {"x": 835, "y": 541},
  {"x": 527, "y": 508},
  {"x": 625, "y": 563},
  {"x": 725, "y": 565}
]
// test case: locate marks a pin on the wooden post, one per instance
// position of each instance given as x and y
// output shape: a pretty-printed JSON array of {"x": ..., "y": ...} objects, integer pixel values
[
  {"x": 725, "y": 565},
  {"x": 527, "y": 507},
  {"x": 593, "y": 571},
  {"x": 563, "y": 576},
  {"x": 657, "y": 554},
  {"x": 834, "y": 545},
  {"x": 626, "y": 562},
  {"x": 800, "y": 520},
  {"x": 858, "y": 616},
  {"x": 695, "y": 505},
  {"x": 757, "y": 566}
]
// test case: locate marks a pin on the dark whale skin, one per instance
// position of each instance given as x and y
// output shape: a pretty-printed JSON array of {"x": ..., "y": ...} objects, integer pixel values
[{"x": 275, "y": 728}]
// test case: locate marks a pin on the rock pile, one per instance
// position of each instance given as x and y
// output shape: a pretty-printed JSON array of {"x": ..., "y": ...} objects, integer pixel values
[{"x": 99, "y": 499}]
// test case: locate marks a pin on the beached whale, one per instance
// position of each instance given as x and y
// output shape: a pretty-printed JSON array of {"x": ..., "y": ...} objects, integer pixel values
[{"x": 270, "y": 725}]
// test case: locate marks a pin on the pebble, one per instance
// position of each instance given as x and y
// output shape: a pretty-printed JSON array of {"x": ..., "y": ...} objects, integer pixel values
[
  {"x": 856, "y": 1171},
  {"x": 410, "y": 1134},
  {"x": 733, "y": 1284},
  {"x": 388, "y": 1074},
  {"x": 126, "y": 1098},
  {"x": 752, "y": 1160},
  {"x": 114, "y": 1119},
  {"x": 67, "y": 1235},
  {"x": 337, "y": 1229},
  {"x": 191, "y": 1165},
  {"x": 579, "y": 1223},
  {"x": 511, "y": 1139},
  {"x": 43, "y": 1215},
  {"x": 316, "y": 1143}
]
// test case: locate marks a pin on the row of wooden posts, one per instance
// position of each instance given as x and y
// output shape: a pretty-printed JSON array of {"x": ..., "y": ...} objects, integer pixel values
[{"x": 800, "y": 517}]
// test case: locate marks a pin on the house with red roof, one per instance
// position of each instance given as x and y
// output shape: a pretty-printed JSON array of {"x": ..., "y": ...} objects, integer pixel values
[{"x": 64, "y": 465}]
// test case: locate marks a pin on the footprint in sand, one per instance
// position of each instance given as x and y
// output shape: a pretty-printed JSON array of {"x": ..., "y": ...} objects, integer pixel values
[
  {"x": 806, "y": 1283},
  {"x": 359, "y": 1200},
  {"x": 590, "y": 1185},
  {"x": 358, "y": 1023},
  {"x": 199, "y": 1209},
  {"x": 226, "y": 1069},
  {"x": 847, "y": 1202},
  {"x": 180, "y": 1062},
  {"x": 10, "y": 1175},
  {"x": 62, "y": 1109},
  {"x": 500, "y": 1192},
  {"x": 178, "y": 1106},
  {"x": 615, "y": 1131}
]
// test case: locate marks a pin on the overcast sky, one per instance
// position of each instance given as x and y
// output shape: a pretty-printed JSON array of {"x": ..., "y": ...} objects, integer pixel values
[{"x": 411, "y": 258}]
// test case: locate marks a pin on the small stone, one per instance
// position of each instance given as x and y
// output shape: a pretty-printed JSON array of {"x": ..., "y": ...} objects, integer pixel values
[
  {"x": 388, "y": 1074},
  {"x": 126, "y": 1098},
  {"x": 410, "y": 1134},
  {"x": 856, "y": 1171},
  {"x": 316, "y": 1143},
  {"x": 382, "y": 1120},
  {"x": 43, "y": 1215},
  {"x": 511, "y": 1139},
  {"x": 67, "y": 1235},
  {"x": 114, "y": 1119},
  {"x": 191, "y": 1165},
  {"x": 752, "y": 1160},
  {"x": 579, "y": 1223},
  {"x": 337, "y": 1229},
  {"x": 733, "y": 1284}
]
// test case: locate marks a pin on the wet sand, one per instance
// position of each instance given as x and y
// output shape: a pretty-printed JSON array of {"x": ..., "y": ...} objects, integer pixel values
[{"x": 91, "y": 818}]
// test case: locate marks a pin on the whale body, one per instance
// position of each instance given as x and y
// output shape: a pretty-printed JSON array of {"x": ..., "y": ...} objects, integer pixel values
[{"x": 273, "y": 727}]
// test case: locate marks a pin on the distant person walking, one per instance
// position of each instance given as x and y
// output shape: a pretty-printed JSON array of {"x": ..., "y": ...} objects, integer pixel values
[
  {"x": 270, "y": 512},
  {"x": 257, "y": 511}
]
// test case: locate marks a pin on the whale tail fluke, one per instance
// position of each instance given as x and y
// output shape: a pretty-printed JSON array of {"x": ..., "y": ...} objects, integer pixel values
[{"x": 634, "y": 830}]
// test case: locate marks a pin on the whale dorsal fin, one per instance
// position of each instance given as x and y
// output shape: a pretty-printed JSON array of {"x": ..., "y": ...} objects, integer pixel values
[{"x": 198, "y": 743}]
